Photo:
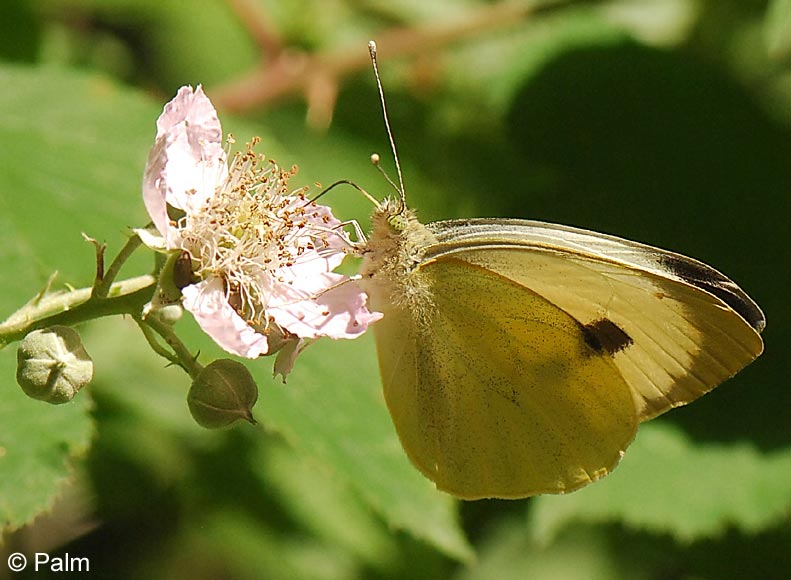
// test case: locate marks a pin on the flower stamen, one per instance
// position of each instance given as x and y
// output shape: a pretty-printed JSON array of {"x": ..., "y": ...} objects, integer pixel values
[{"x": 262, "y": 255}]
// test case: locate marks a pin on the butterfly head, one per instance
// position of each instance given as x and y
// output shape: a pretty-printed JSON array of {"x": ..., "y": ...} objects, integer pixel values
[{"x": 398, "y": 221}]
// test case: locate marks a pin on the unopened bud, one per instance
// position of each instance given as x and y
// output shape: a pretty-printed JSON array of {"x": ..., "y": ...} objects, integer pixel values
[
  {"x": 223, "y": 393},
  {"x": 52, "y": 364},
  {"x": 169, "y": 314}
]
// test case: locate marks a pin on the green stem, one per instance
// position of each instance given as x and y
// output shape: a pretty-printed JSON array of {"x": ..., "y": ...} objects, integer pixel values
[
  {"x": 72, "y": 307},
  {"x": 104, "y": 286},
  {"x": 184, "y": 358},
  {"x": 151, "y": 339}
]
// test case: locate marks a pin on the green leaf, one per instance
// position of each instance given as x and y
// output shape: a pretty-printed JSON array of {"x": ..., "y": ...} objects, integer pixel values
[
  {"x": 241, "y": 547},
  {"x": 778, "y": 28},
  {"x": 326, "y": 505},
  {"x": 510, "y": 552},
  {"x": 72, "y": 163},
  {"x": 55, "y": 164},
  {"x": 667, "y": 484},
  {"x": 38, "y": 444},
  {"x": 20, "y": 32}
]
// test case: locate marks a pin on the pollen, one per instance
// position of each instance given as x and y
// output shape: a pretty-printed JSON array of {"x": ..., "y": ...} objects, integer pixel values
[{"x": 252, "y": 231}]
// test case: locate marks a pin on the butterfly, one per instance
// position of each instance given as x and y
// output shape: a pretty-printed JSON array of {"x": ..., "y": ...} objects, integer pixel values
[{"x": 518, "y": 357}]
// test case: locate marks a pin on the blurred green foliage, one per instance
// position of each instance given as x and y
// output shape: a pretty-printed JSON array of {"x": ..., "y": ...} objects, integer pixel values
[{"x": 665, "y": 121}]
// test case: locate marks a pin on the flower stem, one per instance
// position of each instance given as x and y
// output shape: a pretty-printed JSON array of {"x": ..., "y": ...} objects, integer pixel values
[
  {"x": 181, "y": 354},
  {"x": 74, "y": 306},
  {"x": 150, "y": 337}
]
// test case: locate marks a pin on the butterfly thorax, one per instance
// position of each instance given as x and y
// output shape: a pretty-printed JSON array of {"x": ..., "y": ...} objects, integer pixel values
[{"x": 391, "y": 260}]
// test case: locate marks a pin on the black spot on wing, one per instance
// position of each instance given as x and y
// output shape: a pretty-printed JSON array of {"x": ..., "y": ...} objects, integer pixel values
[
  {"x": 710, "y": 280},
  {"x": 604, "y": 335}
]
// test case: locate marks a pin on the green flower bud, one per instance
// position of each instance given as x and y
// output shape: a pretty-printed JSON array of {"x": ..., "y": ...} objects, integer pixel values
[
  {"x": 52, "y": 364},
  {"x": 223, "y": 393},
  {"x": 169, "y": 314}
]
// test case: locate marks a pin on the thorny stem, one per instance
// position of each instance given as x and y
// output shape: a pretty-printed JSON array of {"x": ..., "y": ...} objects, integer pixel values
[
  {"x": 100, "y": 249},
  {"x": 103, "y": 288},
  {"x": 72, "y": 307},
  {"x": 104, "y": 298}
]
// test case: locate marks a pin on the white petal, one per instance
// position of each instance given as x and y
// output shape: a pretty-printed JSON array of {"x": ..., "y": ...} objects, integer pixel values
[
  {"x": 194, "y": 107},
  {"x": 338, "y": 310},
  {"x": 150, "y": 238},
  {"x": 207, "y": 303},
  {"x": 187, "y": 161}
]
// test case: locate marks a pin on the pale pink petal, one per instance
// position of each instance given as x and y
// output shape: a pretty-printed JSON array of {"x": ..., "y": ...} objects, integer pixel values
[
  {"x": 327, "y": 254},
  {"x": 307, "y": 269},
  {"x": 208, "y": 304},
  {"x": 194, "y": 107},
  {"x": 324, "y": 259},
  {"x": 337, "y": 309},
  {"x": 192, "y": 174},
  {"x": 187, "y": 161},
  {"x": 154, "y": 189}
]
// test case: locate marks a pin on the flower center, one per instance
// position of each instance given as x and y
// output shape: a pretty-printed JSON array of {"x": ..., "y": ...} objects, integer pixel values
[{"x": 253, "y": 231}]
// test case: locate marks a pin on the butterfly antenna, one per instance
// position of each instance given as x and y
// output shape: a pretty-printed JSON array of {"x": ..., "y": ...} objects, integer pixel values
[
  {"x": 332, "y": 186},
  {"x": 375, "y": 158},
  {"x": 375, "y": 161}
]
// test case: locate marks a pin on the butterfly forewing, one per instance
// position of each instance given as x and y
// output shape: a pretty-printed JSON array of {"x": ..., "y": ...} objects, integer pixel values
[{"x": 680, "y": 337}]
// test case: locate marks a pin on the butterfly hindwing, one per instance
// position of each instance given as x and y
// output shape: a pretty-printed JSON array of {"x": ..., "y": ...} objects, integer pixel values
[{"x": 500, "y": 393}]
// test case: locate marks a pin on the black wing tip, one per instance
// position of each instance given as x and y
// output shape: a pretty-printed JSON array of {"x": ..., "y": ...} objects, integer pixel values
[{"x": 710, "y": 280}]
